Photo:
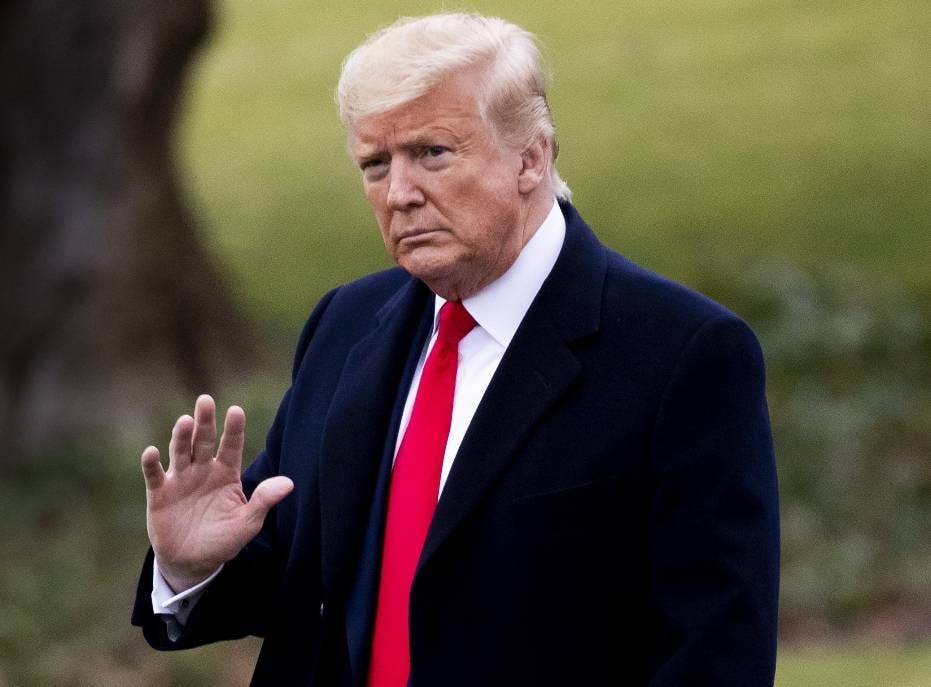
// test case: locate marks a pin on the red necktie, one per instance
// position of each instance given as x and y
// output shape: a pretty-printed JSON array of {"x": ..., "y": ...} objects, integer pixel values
[{"x": 415, "y": 485}]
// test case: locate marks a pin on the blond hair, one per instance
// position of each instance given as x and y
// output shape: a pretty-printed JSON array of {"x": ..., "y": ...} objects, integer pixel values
[{"x": 403, "y": 61}]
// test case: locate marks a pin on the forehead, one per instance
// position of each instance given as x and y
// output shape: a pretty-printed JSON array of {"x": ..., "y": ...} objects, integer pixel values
[{"x": 449, "y": 109}]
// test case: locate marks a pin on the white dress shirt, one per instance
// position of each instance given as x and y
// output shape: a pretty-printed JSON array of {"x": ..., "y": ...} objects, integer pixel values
[{"x": 498, "y": 310}]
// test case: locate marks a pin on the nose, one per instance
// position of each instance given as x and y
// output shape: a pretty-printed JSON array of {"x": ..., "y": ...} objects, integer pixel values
[{"x": 403, "y": 188}]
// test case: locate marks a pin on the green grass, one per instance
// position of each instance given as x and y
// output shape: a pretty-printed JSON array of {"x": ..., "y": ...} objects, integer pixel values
[
  {"x": 855, "y": 666},
  {"x": 697, "y": 137}
]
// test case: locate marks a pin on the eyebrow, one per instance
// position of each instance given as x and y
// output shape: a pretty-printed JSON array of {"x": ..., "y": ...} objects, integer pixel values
[{"x": 419, "y": 141}]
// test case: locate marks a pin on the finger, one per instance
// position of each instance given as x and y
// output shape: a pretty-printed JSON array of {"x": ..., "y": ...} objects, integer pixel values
[
  {"x": 179, "y": 450},
  {"x": 267, "y": 494},
  {"x": 205, "y": 429},
  {"x": 152, "y": 470},
  {"x": 234, "y": 436}
]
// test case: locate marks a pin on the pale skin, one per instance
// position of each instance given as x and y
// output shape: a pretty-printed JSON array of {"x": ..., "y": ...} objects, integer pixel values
[
  {"x": 196, "y": 513},
  {"x": 454, "y": 207}
]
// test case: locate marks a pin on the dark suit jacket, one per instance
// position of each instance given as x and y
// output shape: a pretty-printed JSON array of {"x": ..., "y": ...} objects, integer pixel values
[{"x": 610, "y": 518}]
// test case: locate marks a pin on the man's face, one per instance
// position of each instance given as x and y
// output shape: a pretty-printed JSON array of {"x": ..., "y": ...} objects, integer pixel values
[{"x": 444, "y": 192}]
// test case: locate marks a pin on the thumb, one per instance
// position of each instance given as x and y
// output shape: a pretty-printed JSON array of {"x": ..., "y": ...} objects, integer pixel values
[{"x": 267, "y": 494}]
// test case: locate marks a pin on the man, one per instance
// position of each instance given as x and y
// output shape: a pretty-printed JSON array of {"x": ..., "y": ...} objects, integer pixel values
[{"x": 519, "y": 459}]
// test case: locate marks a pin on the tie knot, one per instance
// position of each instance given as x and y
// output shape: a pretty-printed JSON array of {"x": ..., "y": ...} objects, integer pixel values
[{"x": 455, "y": 322}]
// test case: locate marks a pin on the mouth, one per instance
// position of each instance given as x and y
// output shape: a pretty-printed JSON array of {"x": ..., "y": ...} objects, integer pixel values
[{"x": 413, "y": 235}]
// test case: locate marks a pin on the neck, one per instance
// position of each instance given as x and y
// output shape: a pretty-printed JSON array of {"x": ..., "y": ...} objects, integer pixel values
[{"x": 538, "y": 208}]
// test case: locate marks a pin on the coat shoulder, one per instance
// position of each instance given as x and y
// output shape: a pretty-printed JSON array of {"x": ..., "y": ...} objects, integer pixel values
[{"x": 633, "y": 291}]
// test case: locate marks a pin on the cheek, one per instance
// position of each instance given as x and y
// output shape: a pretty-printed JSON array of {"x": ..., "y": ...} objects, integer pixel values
[
  {"x": 376, "y": 200},
  {"x": 374, "y": 196}
]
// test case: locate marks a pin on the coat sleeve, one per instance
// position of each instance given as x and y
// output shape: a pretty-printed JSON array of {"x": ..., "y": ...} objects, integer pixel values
[
  {"x": 238, "y": 601},
  {"x": 714, "y": 532}
]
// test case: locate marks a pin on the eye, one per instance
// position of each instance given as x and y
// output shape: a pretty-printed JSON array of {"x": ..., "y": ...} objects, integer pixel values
[
  {"x": 433, "y": 157},
  {"x": 370, "y": 163},
  {"x": 373, "y": 168}
]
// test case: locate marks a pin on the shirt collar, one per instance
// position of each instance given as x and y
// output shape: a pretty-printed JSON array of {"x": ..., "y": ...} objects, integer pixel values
[{"x": 500, "y": 307}]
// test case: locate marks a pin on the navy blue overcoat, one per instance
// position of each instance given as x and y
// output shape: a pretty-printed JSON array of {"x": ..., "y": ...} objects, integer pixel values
[{"x": 610, "y": 518}]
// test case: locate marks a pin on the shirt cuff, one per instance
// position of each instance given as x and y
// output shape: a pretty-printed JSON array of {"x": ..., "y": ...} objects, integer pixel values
[{"x": 175, "y": 607}]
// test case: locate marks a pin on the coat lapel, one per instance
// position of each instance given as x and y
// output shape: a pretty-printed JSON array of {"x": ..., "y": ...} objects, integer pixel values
[
  {"x": 359, "y": 430},
  {"x": 537, "y": 368}
]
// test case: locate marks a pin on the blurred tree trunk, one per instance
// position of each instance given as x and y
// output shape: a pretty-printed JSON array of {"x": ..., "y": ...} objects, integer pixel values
[{"x": 108, "y": 301}]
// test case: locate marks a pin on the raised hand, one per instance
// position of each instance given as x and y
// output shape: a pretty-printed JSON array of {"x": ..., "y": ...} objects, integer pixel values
[{"x": 196, "y": 513}]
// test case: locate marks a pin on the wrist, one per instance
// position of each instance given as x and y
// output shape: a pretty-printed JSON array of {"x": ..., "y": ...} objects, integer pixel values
[{"x": 182, "y": 580}]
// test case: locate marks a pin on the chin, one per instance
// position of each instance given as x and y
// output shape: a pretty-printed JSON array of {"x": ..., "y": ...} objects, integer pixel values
[
  {"x": 425, "y": 264},
  {"x": 447, "y": 272},
  {"x": 426, "y": 273},
  {"x": 437, "y": 277}
]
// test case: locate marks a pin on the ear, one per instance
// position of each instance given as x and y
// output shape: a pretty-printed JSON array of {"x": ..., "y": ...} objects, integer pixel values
[{"x": 535, "y": 164}]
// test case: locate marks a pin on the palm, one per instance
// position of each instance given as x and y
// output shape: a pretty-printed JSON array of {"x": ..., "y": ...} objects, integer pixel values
[{"x": 197, "y": 514}]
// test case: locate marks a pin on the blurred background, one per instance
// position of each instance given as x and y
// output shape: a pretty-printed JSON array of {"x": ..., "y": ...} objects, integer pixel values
[{"x": 175, "y": 197}]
